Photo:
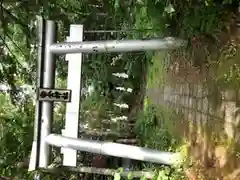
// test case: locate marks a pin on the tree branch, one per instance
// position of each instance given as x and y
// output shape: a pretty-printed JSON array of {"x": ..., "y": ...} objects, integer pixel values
[
  {"x": 17, "y": 21},
  {"x": 4, "y": 178}
]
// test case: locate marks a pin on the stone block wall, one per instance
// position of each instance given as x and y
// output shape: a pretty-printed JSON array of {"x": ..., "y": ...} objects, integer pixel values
[{"x": 209, "y": 120}]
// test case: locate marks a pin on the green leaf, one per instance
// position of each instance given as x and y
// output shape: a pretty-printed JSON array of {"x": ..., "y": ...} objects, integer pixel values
[
  {"x": 130, "y": 176},
  {"x": 117, "y": 176}
]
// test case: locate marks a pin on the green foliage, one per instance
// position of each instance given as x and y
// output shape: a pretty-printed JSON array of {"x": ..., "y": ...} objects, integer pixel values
[
  {"x": 227, "y": 68},
  {"x": 16, "y": 135},
  {"x": 157, "y": 72},
  {"x": 93, "y": 110},
  {"x": 156, "y": 125},
  {"x": 201, "y": 20},
  {"x": 154, "y": 128},
  {"x": 186, "y": 18}
]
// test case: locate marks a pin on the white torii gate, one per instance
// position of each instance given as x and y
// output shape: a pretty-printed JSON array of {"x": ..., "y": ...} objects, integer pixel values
[{"x": 68, "y": 141}]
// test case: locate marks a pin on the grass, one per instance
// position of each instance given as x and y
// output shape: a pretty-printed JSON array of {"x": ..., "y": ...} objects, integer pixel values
[
  {"x": 156, "y": 125},
  {"x": 157, "y": 73}
]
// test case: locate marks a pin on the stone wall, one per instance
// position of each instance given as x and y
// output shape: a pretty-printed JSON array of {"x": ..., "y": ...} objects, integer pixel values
[{"x": 209, "y": 120}]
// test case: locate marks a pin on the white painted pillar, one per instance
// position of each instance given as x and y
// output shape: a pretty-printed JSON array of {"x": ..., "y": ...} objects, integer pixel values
[{"x": 73, "y": 108}]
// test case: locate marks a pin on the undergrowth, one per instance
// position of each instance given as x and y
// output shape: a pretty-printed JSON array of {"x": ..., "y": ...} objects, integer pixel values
[
  {"x": 204, "y": 24},
  {"x": 157, "y": 74},
  {"x": 155, "y": 130}
]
